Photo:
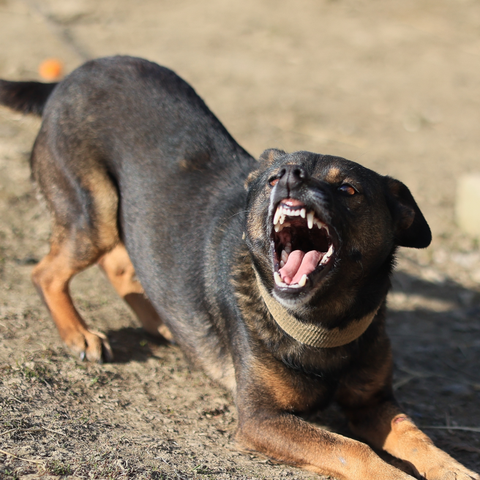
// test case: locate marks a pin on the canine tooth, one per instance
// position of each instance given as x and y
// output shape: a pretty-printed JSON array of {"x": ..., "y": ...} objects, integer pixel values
[
  {"x": 303, "y": 281},
  {"x": 282, "y": 219},
  {"x": 326, "y": 257},
  {"x": 278, "y": 279},
  {"x": 303, "y": 212},
  {"x": 284, "y": 256},
  {"x": 310, "y": 217},
  {"x": 277, "y": 216},
  {"x": 288, "y": 247},
  {"x": 278, "y": 227}
]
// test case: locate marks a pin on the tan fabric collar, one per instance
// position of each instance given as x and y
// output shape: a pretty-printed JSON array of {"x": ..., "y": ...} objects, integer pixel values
[{"x": 311, "y": 334}]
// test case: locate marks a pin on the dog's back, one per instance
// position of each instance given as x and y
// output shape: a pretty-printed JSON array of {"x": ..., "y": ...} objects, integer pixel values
[{"x": 125, "y": 148}]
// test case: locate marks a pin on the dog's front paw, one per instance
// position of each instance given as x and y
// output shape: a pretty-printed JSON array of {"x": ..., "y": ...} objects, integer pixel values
[
  {"x": 90, "y": 345},
  {"x": 454, "y": 471}
]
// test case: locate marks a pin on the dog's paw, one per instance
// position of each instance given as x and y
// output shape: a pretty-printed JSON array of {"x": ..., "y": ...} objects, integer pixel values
[
  {"x": 91, "y": 345},
  {"x": 454, "y": 471}
]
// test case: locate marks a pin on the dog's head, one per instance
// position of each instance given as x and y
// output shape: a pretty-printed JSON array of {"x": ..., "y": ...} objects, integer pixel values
[{"x": 319, "y": 223}]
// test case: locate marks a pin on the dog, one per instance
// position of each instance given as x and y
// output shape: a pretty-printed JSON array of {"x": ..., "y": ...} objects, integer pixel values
[{"x": 271, "y": 274}]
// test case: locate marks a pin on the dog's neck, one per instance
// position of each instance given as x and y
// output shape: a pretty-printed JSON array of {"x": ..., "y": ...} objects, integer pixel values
[{"x": 313, "y": 335}]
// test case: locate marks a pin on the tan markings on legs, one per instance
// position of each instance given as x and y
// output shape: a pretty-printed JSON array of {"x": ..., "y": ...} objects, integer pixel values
[
  {"x": 119, "y": 270},
  {"x": 267, "y": 400},
  {"x": 51, "y": 277},
  {"x": 105, "y": 203},
  {"x": 291, "y": 440},
  {"x": 374, "y": 416},
  {"x": 408, "y": 442},
  {"x": 83, "y": 201},
  {"x": 385, "y": 426}
]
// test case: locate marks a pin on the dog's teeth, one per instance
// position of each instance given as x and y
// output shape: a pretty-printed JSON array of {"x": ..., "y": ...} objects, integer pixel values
[
  {"x": 310, "y": 217},
  {"x": 280, "y": 226},
  {"x": 277, "y": 216},
  {"x": 288, "y": 247},
  {"x": 282, "y": 212},
  {"x": 303, "y": 281},
  {"x": 279, "y": 283},
  {"x": 284, "y": 257},
  {"x": 327, "y": 255}
]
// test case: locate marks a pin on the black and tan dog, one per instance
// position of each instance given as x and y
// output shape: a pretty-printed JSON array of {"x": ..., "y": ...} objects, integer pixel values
[{"x": 270, "y": 274}]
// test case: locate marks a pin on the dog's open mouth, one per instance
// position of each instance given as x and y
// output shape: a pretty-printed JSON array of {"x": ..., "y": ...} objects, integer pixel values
[{"x": 303, "y": 245}]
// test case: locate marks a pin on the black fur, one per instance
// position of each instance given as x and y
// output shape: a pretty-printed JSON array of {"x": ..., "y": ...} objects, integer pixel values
[{"x": 25, "y": 97}]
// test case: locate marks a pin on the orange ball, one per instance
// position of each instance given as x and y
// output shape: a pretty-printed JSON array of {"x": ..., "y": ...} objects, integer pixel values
[{"x": 51, "y": 69}]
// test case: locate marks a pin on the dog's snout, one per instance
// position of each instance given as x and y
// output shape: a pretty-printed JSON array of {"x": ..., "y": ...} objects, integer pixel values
[{"x": 292, "y": 176}]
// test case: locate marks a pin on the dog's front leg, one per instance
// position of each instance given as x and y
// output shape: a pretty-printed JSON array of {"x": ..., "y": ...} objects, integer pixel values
[
  {"x": 384, "y": 426},
  {"x": 289, "y": 439}
]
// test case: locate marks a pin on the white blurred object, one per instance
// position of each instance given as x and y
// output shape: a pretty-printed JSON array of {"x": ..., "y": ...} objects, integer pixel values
[{"x": 467, "y": 207}]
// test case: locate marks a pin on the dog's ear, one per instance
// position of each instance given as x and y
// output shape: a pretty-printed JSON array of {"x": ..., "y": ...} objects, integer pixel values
[
  {"x": 270, "y": 155},
  {"x": 412, "y": 229},
  {"x": 265, "y": 159}
]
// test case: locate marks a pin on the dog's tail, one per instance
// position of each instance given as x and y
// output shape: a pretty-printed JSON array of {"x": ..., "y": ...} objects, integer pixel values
[{"x": 25, "y": 97}]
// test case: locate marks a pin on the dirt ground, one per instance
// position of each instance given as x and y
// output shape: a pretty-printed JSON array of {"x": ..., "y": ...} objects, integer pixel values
[{"x": 394, "y": 85}]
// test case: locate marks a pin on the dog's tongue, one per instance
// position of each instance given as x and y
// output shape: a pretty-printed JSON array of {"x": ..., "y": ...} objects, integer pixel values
[{"x": 299, "y": 264}]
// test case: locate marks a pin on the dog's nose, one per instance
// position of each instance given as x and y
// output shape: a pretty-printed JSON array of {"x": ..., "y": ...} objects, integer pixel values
[{"x": 292, "y": 176}]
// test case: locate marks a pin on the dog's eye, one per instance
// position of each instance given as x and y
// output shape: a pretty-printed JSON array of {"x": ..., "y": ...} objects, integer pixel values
[
  {"x": 347, "y": 189},
  {"x": 273, "y": 181}
]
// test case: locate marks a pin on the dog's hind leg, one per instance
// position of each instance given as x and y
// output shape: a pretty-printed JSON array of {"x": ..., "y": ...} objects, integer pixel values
[
  {"x": 83, "y": 201},
  {"x": 119, "y": 270},
  {"x": 51, "y": 278}
]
